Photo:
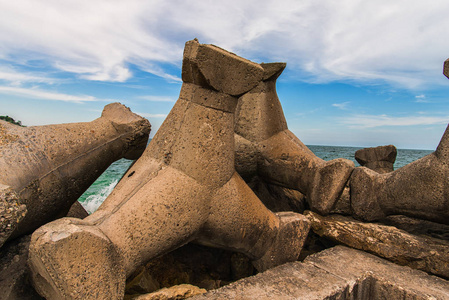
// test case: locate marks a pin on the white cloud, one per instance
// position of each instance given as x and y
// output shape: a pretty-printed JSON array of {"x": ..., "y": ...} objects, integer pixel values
[
  {"x": 157, "y": 116},
  {"x": 342, "y": 106},
  {"x": 400, "y": 42},
  {"x": 421, "y": 99},
  {"x": 46, "y": 95},
  {"x": 371, "y": 121},
  {"x": 157, "y": 98},
  {"x": 17, "y": 78}
]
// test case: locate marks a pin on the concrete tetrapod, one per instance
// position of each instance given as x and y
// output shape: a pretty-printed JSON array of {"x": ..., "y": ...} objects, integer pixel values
[
  {"x": 184, "y": 188},
  {"x": 49, "y": 167},
  {"x": 419, "y": 189},
  {"x": 266, "y": 147}
]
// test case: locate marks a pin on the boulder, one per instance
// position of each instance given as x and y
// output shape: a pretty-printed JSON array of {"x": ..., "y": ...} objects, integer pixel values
[
  {"x": 336, "y": 273},
  {"x": 183, "y": 188},
  {"x": 418, "y": 252},
  {"x": 418, "y": 189},
  {"x": 380, "y": 159},
  {"x": 49, "y": 167}
]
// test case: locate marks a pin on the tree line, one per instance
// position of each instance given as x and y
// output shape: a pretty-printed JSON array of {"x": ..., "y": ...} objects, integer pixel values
[{"x": 11, "y": 120}]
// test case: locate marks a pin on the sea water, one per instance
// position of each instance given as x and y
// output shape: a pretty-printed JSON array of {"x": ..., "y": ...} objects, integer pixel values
[{"x": 104, "y": 185}]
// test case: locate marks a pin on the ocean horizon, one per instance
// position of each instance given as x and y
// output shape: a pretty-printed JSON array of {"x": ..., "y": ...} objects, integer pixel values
[{"x": 103, "y": 186}]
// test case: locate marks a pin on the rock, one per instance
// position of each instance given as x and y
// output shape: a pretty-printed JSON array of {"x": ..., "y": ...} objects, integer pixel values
[
  {"x": 14, "y": 273},
  {"x": 77, "y": 211},
  {"x": 183, "y": 188},
  {"x": 418, "y": 189},
  {"x": 446, "y": 68},
  {"x": 380, "y": 159},
  {"x": 418, "y": 227},
  {"x": 49, "y": 167},
  {"x": 266, "y": 148},
  {"x": 176, "y": 292},
  {"x": 418, "y": 252},
  {"x": 11, "y": 212},
  {"x": 289, "y": 241},
  {"x": 336, "y": 273}
]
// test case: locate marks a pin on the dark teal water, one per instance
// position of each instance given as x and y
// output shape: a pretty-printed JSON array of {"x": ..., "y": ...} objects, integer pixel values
[
  {"x": 104, "y": 185},
  {"x": 404, "y": 157}
]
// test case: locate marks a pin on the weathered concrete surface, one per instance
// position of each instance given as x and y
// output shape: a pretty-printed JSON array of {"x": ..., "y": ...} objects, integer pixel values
[
  {"x": 208, "y": 65},
  {"x": 14, "y": 274},
  {"x": 265, "y": 147},
  {"x": 184, "y": 188},
  {"x": 418, "y": 252},
  {"x": 50, "y": 166},
  {"x": 418, "y": 189},
  {"x": 418, "y": 227},
  {"x": 11, "y": 212},
  {"x": 446, "y": 68},
  {"x": 336, "y": 273},
  {"x": 380, "y": 159}
]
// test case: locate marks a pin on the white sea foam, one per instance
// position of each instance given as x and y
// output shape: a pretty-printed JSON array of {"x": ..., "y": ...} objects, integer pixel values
[{"x": 92, "y": 202}]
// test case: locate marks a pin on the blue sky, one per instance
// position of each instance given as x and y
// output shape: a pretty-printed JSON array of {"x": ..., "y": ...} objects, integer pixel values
[{"x": 359, "y": 73}]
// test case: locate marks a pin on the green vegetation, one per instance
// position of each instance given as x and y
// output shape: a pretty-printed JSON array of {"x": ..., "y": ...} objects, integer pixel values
[{"x": 11, "y": 120}]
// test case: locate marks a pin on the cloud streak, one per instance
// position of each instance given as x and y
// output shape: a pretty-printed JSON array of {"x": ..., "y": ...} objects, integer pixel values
[
  {"x": 153, "y": 98},
  {"x": 156, "y": 116},
  {"x": 342, "y": 106},
  {"x": 369, "y": 41},
  {"x": 371, "y": 121},
  {"x": 34, "y": 93}
]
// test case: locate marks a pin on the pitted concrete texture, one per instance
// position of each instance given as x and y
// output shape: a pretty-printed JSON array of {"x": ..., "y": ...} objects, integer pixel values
[
  {"x": 336, "y": 273},
  {"x": 214, "y": 68},
  {"x": 11, "y": 212},
  {"x": 49, "y": 167},
  {"x": 418, "y": 189},
  {"x": 380, "y": 159},
  {"x": 184, "y": 188},
  {"x": 265, "y": 147},
  {"x": 418, "y": 252}
]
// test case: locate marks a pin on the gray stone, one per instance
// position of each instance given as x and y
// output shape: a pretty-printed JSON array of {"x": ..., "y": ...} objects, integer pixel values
[
  {"x": 49, "y": 167},
  {"x": 380, "y": 159},
  {"x": 418, "y": 252},
  {"x": 336, "y": 273},
  {"x": 266, "y": 148},
  {"x": 418, "y": 189},
  {"x": 183, "y": 188}
]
